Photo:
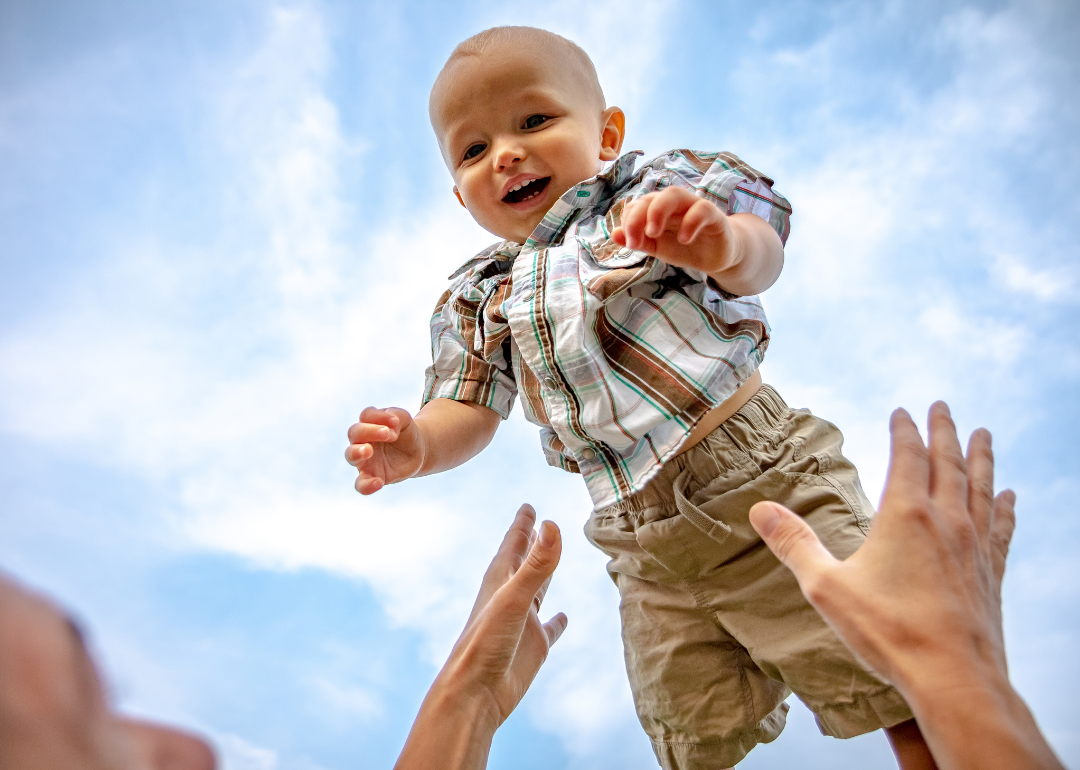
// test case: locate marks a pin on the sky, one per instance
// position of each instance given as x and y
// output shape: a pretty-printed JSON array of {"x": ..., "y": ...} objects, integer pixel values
[{"x": 223, "y": 227}]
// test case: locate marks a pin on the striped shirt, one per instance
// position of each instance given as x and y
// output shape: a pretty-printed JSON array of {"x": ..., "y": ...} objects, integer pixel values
[{"x": 616, "y": 354}]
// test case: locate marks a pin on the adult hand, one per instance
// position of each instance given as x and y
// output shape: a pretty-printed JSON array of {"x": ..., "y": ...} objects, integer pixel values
[
  {"x": 496, "y": 657},
  {"x": 54, "y": 714},
  {"x": 920, "y": 601}
]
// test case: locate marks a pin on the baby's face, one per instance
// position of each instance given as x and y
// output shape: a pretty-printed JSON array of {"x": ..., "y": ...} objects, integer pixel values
[{"x": 517, "y": 130}]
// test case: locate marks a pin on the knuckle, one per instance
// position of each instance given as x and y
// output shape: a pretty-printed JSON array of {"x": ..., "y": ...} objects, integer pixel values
[
  {"x": 815, "y": 587},
  {"x": 920, "y": 512},
  {"x": 965, "y": 537},
  {"x": 786, "y": 539},
  {"x": 954, "y": 460},
  {"x": 983, "y": 489}
]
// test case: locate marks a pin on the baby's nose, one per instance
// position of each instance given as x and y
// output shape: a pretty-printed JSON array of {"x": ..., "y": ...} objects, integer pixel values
[{"x": 508, "y": 156}]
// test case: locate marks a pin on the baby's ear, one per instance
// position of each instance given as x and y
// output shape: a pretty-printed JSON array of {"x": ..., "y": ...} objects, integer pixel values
[
  {"x": 460, "y": 199},
  {"x": 612, "y": 130}
]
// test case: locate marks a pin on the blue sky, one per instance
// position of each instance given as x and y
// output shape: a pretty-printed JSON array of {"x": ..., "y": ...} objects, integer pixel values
[{"x": 223, "y": 225}]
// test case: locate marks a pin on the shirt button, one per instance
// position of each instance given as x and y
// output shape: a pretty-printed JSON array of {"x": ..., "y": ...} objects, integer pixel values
[
  {"x": 549, "y": 383},
  {"x": 588, "y": 453},
  {"x": 527, "y": 296}
]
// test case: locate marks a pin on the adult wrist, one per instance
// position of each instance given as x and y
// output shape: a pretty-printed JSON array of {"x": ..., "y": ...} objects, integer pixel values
[
  {"x": 453, "y": 730},
  {"x": 973, "y": 721}
]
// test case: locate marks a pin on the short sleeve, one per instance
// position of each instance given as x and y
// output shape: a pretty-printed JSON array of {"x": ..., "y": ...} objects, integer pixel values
[
  {"x": 463, "y": 367},
  {"x": 738, "y": 188}
]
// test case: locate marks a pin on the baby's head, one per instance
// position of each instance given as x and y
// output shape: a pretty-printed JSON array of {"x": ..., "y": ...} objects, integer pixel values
[{"x": 520, "y": 119}]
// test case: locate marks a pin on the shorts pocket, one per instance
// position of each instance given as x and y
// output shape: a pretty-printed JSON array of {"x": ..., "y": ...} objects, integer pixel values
[{"x": 694, "y": 551}]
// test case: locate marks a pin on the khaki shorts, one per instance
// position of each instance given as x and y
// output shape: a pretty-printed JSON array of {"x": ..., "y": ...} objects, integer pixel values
[{"x": 715, "y": 629}]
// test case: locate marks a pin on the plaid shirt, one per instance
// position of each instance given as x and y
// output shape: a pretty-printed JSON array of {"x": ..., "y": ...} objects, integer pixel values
[{"x": 616, "y": 354}]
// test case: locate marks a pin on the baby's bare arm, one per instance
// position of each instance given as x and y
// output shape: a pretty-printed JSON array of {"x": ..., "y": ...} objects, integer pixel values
[
  {"x": 390, "y": 445},
  {"x": 741, "y": 252}
]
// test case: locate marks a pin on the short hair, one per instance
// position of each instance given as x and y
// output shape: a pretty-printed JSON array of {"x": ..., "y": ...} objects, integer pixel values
[{"x": 496, "y": 37}]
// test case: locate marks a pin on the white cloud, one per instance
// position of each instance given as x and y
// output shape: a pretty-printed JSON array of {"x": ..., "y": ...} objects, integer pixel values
[
  {"x": 235, "y": 753},
  {"x": 1054, "y": 284},
  {"x": 355, "y": 702}
]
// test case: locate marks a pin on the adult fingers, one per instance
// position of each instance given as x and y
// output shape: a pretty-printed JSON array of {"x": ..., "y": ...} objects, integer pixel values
[
  {"x": 538, "y": 600},
  {"x": 517, "y": 540},
  {"x": 521, "y": 589},
  {"x": 794, "y": 544},
  {"x": 661, "y": 208},
  {"x": 980, "y": 481},
  {"x": 554, "y": 628},
  {"x": 908, "y": 475},
  {"x": 1001, "y": 532},
  {"x": 512, "y": 550},
  {"x": 948, "y": 469}
]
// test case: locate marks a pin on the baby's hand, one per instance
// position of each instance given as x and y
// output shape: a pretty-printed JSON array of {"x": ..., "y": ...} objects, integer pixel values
[
  {"x": 678, "y": 227},
  {"x": 385, "y": 447}
]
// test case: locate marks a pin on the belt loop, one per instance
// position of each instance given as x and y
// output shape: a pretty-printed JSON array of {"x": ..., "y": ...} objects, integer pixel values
[{"x": 717, "y": 530}]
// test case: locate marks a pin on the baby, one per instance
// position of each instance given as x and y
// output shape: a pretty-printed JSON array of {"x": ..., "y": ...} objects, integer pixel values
[{"x": 621, "y": 306}]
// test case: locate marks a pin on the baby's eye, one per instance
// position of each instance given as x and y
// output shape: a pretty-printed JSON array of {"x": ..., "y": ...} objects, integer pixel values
[
  {"x": 535, "y": 120},
  {"x": 473, "y": 151}
]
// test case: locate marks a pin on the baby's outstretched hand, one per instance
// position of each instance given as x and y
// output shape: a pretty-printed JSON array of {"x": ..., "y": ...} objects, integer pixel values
[
  {"x": 384, "y": 447},
  {"x": 680, "y": 228}
]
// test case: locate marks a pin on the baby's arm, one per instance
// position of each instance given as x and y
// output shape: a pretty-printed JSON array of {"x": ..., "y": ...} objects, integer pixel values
[
  {"x": 389, "y": 445},
  {"x": 741, "y": 252}
]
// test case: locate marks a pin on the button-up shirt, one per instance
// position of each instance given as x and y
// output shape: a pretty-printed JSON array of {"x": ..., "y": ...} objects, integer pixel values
[{"x": 616, "y": 354}]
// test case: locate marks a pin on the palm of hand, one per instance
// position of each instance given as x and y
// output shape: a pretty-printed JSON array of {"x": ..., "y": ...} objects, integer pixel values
[{"x": 516, "y": 665}]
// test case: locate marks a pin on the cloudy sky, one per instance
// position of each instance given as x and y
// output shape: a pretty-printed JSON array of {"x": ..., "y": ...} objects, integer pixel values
[{"x": 223, "y": 225}]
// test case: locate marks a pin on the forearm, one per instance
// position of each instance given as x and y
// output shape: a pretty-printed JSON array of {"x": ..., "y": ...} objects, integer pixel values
[
  {"x": 759, "y": 257},
  {"x": 452, "y": 731},
  {"x": 453, "y": 432},
  {"x": 984, "y": 724}
]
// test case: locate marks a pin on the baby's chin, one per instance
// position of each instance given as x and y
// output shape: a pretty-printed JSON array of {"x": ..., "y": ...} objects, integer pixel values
[{"x": 516, "y": 232}]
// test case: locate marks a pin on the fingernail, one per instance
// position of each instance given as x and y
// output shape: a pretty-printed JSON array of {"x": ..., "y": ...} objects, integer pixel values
[
  {"x": 1010, "y": 496},
  {"x": 764, "y": 517},
  {"x": 547, "y": 534}
]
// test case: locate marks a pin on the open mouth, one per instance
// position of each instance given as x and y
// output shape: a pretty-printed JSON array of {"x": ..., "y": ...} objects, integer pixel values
[{"x": 526, "y": 190}]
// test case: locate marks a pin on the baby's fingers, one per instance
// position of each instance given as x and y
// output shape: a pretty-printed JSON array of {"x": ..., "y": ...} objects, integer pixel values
[
  {"x": 358, "y": 453},
  {"x": 381, "y": 417},
  {"x": 366, "y": 484},
  {"x": 634, "y": 218},
  {"x": 371, "y": 433},
  {"x": 662, "y": 207},
  {"x": 697, "y": 218}
]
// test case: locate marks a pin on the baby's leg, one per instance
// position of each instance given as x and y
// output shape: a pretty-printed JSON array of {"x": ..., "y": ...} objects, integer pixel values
[{"x": 910, "y": 747}]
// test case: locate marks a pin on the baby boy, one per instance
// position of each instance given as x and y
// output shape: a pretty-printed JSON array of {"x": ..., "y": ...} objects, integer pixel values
[{"x": 621, "y": 307}]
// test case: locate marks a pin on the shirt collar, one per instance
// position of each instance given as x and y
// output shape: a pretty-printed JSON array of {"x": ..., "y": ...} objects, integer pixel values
[{"x": 593, "y": 193}]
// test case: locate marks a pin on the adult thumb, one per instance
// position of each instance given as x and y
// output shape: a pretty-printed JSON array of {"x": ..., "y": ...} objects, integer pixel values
[{"x": 791, "y": 540}]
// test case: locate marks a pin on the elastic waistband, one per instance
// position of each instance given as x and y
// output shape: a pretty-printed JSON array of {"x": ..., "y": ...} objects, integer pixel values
[{"x": 759, "y": 420}]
